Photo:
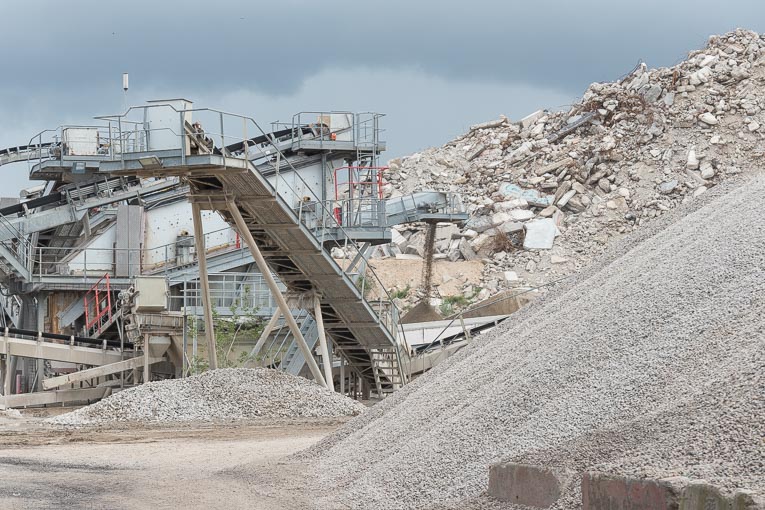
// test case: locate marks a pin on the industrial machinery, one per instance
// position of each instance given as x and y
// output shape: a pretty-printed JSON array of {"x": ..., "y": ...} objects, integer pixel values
[{"x": 197, "y": 205}]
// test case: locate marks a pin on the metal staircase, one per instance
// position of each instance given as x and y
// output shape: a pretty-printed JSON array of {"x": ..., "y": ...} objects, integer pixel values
[
  {"x": 387, "y": 376},
  {"x": 293, "y": 360},
  {"x": 296, "y": 254}
]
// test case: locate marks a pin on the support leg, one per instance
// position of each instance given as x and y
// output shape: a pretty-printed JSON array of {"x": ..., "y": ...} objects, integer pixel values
[
  {"x": 10, "y": 374},
  {"x": 3, "y": 370},
  {"x": 244, "y": 231},
  {"x": 342, "y": 375},
  {"x": 326, "y": 361},
  {"x": 266, "y": 333},
  {"x": 146, "y": 373},
  {"x": 199, "y": 239}
]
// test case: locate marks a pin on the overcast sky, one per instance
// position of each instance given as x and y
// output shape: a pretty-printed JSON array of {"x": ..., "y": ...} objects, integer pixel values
[{"x": 433, "y": 67}]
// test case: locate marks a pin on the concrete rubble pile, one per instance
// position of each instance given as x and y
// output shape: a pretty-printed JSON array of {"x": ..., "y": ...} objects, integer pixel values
[
  {"x": 648, "y": 363},
  {"x": 548, "y": 193},
  {"x": 218, "y": 395}
]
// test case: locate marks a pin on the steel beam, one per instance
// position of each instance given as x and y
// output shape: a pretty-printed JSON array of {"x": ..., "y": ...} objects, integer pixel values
[
  {"x": 56, "y": 397},
  {"x": 268, "y": 277},
  {"x": 92, "y": 373},
  {"x": 10, "y": 346}
]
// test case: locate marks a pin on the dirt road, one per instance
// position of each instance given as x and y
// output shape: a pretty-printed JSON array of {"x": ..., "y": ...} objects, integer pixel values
[{"x": 223, "y": 466}]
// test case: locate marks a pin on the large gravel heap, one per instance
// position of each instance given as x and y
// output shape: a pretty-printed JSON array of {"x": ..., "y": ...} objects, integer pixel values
[
  {"x": 224, "y": 394},
  {"x": 626, "y": 153},
  {"x": 650, "y": 362}
]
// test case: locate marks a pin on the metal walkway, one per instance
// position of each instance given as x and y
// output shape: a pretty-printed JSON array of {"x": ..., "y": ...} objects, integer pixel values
[{"x": 296, "y": 255}]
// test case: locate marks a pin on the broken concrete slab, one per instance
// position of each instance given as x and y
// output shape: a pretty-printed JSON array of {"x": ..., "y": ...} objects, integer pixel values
[
  {"x": 521, "y": 214},
  {"x": 566, "y": 197},
  {"x": 540, "y": 234},
  {"x": 407, "y": 256},
  {"x": 489, "y": 124},
  {"x": 532, "y": 196},
  {"x": 531, "y": 119},
  {"x": 466, "y": 250},
  {"x": 511, "y": 227},
  {"x": 446, "y": 231},
  {"x": 554, "y": 167},
  {"x": 475, "y": 152}
]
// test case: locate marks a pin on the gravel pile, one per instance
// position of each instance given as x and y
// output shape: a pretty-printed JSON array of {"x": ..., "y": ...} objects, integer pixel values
[
  {"x": 650, "y": 362},
  {"x": 218, "y": 395}
]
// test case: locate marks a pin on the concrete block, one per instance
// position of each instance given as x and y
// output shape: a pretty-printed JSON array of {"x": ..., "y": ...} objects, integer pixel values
[
  {"x": 748, "y": 500},
  {"x": 700, "y": 495},
  {"x": 533, "y": 486},
  {"x": 608, "y": 492},
  {"x": 530, "y": 120}
]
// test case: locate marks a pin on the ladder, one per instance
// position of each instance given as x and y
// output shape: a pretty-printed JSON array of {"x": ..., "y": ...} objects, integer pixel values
[{"x": 386, "y": 373}]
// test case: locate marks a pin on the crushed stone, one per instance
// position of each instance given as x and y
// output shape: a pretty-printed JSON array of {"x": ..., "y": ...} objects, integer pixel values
[
  {"x": 217, "y": 395},
  {"x": 651, "y": 362}
]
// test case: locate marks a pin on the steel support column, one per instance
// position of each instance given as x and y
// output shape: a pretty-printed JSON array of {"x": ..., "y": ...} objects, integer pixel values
[
  {"x": 244, "y": 231},
  {"x": 199, "y": 239},
  {"x": 326, "y": 361}
]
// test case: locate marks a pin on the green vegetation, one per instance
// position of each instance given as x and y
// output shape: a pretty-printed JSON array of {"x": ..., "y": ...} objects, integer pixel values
[
  {"x": 451, "y": 304},
  {"x": 401, "y": 293},
  {"x": 242, "y": 325}
]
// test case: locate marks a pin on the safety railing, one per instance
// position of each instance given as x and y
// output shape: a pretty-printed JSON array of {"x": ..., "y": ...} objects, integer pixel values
[
  {"x": 163, "y": 259},
  {"x": 98, "y": 305},
  {"x": 359, "y": 181},
  {"x": 359, "y": 212},
  {"x": 240, "y": 293}
]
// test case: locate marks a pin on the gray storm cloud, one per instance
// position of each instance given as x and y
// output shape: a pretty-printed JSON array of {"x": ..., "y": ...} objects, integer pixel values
[{"x": 464, "y": 61}]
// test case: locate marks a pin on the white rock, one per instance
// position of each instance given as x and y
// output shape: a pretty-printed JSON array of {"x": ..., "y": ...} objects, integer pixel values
[
  {"x": 753, "y": 126},
  {"x": 501, "y": 217},
  {"x": 693, "y": 161},
  {"x": 511, "y": 276},
  {"x": 707, "y": 170},
  {"x": 521, "y": 215},
  {"x": 708, "y": 118}
]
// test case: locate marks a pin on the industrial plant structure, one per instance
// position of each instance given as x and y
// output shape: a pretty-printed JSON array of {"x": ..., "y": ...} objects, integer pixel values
[{"x": 167, "y": 212}]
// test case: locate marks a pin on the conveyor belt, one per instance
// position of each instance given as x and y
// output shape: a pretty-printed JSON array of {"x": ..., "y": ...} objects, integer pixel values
[{"x": 77, "y": 339}]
